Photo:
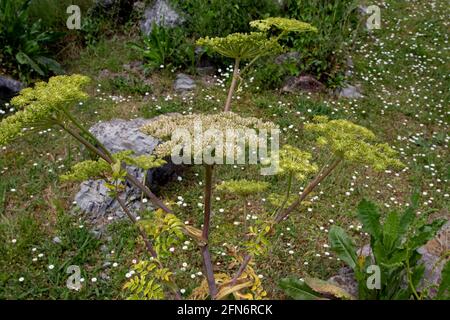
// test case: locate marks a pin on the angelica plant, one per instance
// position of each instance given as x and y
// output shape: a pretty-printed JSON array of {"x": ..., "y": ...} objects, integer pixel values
[{"x": 252, "y": 46}]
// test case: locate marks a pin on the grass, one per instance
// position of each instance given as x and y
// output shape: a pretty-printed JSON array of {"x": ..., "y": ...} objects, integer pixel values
[{"x": 403, "y": 72}]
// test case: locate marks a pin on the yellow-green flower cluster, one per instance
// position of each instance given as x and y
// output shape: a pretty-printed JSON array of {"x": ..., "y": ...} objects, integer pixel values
[
  {"x": 242, "y": 46},
  {"x": 284, "y": 24},
  {"x": 37, "y": 105},
  {"x": 100, "y": 169},
  {"x": 145, "y": 162},
  {"x": 165, "y": 125},
  {"x": 353, "y": 143},
  {"x": 295, "y": 161},
  {"x": 86, "y": 170},
  {"x": 243, "y": 187}
]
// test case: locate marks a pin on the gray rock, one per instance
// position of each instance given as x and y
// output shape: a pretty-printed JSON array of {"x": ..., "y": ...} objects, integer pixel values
[
  {"x": 432, "y": 258},
  {"x": 349, "y": 67},
  {"x": 350, "y": 92},
  {"x": 57, "y": 240},
  {"x": 184, "y": 83},
  {"x": 120, "y": 135},
  {"x": 302, "y": 83},
  {"x": 203, "y": 63},
  {"x": 9, "y": 88},
  {"x": 160, "y": 13},
  {"x": 293, "y": 56},
  {"x": 346, "y": 280}
]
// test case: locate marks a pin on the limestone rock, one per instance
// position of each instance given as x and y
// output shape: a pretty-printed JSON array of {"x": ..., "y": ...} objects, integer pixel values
[
  {"x": 303, "y": 83},
  {"x": 160, "y": 13},
  {"x": 350, "y": 92},
  {"x": 184, "y": 83},
  {"x": 120, "y": 135}
]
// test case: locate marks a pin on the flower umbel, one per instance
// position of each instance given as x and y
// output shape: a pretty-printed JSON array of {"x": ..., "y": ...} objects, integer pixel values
[
  {"x": 42, "y": 105},
  {"x": 295, "y": 161},
  {"x": 242, "y": 46},
  {"x": 353, "y": 143},
  {"x": 284, "y": 24},
  {"x": 165, "y": 126}
]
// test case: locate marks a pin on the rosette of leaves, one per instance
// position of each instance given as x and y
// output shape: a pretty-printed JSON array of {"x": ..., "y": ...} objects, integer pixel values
[{"x": 353, "y": 143}]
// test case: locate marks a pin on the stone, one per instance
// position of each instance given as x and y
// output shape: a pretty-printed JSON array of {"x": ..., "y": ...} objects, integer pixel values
[
  {"x": 302, "y": 83},
  {"x": 161, "y": 14},
  {"x": 57, "y": 240},
  {"x": 350, "y": 92},
  {"x": 203, "y": 63},
  {"x": 349, "y": 67},
  {"x": 120, "y": 135},
  {"x": 9, "y": 88},
  {"x": 184, "y": 83},
  {"x": 293, "y": 56},
  {"x": 432, "y": 253},
  {"x": 346, "y": 280}
]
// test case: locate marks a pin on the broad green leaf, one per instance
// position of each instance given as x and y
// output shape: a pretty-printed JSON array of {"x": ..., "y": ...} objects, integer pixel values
[
  {"x": 22, "y": 58},
  {"x": 425, "y": 233},
  {"x": 370, "y": 217},
  {"x": 50, "y": 64},
  {"x": 343, "y": 246},
  {"x": 298, "y": 290},
  {"x": 417, "y": 274},
  {"x": 405, "y": 221},
  {"x": 390, "y": 230}
]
